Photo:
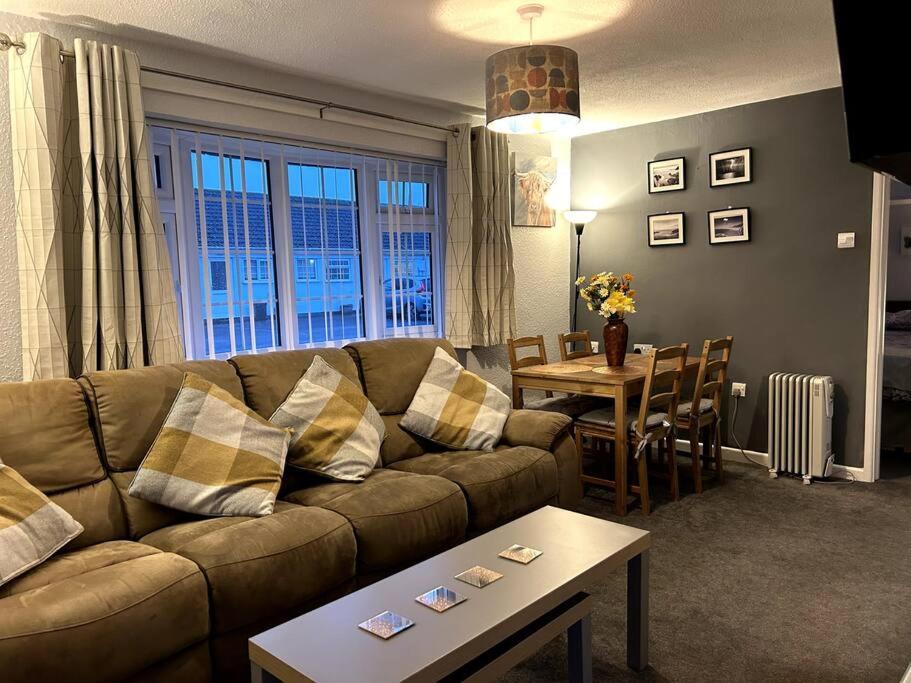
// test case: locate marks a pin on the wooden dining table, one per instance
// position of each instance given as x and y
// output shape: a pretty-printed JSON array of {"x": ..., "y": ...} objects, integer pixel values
[{"x": 591, "y": 376}]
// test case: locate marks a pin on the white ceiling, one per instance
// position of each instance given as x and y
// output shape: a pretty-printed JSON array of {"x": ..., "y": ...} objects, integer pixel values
[{"x": 641, "y": 60}]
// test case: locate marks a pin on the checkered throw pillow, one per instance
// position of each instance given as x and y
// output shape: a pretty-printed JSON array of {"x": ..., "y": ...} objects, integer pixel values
[
  {"x": 213, "y": 456},
  {"x": 32, "y": 528},
  {"x": 456, "y": 408},
  {"x": 336, "y": 431}
]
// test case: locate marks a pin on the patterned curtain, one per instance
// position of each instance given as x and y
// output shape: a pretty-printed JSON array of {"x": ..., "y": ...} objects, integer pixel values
[
  {"x": 494, "y": 317},
  {"x": 94, "y": 275},
  {"x": 459, "y": 283},
  {"x": 480, "y": 280}
]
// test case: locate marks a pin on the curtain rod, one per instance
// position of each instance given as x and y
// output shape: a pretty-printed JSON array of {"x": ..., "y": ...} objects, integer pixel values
[{"x": 6, "y": 43}]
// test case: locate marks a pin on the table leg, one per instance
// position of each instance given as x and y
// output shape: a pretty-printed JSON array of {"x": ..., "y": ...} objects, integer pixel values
[
  {"x": 620, "y": 441},
  {"x": 517, "y": 399},
  {"x": 579, "y": 637},
  {"x": 260, "y": 675},
  {"x": 637, "y": 612}
]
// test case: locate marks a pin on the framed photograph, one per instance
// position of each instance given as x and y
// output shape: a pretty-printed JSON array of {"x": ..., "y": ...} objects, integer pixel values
[
  {"x": 730, "y": 168},
  {"x": 533, "y": 178},
  {"x": 666, "y": 175},
  {"x": 665, "y": 229},
  {"x": 729, "y": 225}
]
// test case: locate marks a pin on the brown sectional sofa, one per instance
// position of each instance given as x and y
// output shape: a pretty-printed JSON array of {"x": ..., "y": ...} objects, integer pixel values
[{"x": 147, "y": 592}]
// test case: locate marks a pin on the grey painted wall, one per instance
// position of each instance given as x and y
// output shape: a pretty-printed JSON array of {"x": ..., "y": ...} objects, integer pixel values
[{"x": 791, "y": 299}]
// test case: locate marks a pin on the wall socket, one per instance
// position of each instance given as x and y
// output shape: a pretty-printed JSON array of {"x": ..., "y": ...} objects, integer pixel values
[
  {"x": 738, "y": 389},
  {"x": 644, "y": 349},
  {"x": 594, "y": 347}
]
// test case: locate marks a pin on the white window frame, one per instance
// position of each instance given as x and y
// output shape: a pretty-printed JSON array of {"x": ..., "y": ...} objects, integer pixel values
[
  {"x": 341, "y": 264},
  {"x": 418, "y": 220},
  {"x": 176, "y": 144}
]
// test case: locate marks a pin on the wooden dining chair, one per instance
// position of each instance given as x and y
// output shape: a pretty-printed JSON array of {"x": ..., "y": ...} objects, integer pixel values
[
  {"x": 571, "y": 339},
  {"x": 706, "y": 418},
  {"x": 652, "y": 422},
  {"x": 573, "y": 406}
]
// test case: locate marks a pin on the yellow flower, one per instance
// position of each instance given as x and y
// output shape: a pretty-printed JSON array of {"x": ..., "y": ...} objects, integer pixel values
[
  {"x": 628, "y": 277},
  {"x": 580, "y": 280}
]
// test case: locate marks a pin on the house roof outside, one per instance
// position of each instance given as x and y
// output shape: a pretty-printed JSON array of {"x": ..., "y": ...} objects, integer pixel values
[{"x": 331, "y": 225}]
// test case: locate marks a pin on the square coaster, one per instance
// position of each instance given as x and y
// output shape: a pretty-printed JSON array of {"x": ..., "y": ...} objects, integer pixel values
[
  {"x": 440, "y": 598},
  {"x": 479, "y": 576},
  {"x": 520, "y": 553},
  {"x": 386, "y": 625}
]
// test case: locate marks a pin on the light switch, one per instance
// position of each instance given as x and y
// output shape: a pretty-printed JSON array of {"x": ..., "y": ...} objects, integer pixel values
[{"x": 846, "y": 240}]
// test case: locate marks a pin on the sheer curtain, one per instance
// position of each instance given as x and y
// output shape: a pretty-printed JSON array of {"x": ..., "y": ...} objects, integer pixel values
[
  {"x": 480, "y": 280},
  {"x": 94, "y": 276}
]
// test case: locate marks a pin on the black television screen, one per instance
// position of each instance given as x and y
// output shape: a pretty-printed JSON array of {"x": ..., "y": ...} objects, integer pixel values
[{"x": 874, "y": 44}]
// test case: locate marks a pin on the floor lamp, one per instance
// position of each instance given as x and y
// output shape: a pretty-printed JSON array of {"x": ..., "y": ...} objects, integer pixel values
[{"x": 579, "y": 219}]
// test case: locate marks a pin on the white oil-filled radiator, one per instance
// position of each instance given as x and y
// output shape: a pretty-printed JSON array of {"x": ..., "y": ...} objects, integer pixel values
[{"x": 800, "y": 425}]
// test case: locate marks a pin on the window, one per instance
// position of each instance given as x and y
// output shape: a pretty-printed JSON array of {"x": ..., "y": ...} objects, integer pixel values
[
  {"x": 305, "y": 268},
  {"x": 413, "y": 195},
  {"x": 276, "y": 247},
  {"x": 259, "y": 270},
  {"x": 338, "y": 270}
]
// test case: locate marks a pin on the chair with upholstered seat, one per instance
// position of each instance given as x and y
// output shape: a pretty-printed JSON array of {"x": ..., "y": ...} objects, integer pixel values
[
  {"x": 706, "y": 419},
  {"x": 573, "y": 406},
  {"x": 571, "y": 339},
  {"x": 651, "y": 423}
]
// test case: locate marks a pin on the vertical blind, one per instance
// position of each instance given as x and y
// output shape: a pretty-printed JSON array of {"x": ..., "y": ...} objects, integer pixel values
[{"x": 280, "y": 245}]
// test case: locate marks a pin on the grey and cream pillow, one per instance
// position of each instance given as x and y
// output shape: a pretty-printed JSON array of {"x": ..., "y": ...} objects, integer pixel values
[
  {"x": 456, "y": 408},
  {"x": 336, "y": 431},
  {"x": 213, "y": 456},
  {"x": 32, "y": 527}
]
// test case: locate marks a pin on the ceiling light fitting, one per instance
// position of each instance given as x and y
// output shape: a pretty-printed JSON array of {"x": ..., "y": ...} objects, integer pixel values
[{"x": 532, "y": 88}]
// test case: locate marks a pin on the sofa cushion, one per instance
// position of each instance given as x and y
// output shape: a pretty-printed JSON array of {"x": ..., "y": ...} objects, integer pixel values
[
  {"x": 336, "y": 432},
  {"x": 259, "y": 566},
  {"x": 499, "y": 486},
  {"x": 32, "y": 528},
  {"x": 400, "y": 444},
  {"x": 45, "y": 435},
  {"x": 268, "y": 378},
  {"x": 392, "y": 369},
  {"x": 213, "y": 456},
  {"x": 398, "y": 518},
  {"x": 128, "y": 408},
  {"x": 456, "y": 408},
  {"x": 100, "y": 613}
]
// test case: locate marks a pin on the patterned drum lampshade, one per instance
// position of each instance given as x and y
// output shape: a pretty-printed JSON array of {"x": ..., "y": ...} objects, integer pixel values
[{"x": 532, "y": 89}]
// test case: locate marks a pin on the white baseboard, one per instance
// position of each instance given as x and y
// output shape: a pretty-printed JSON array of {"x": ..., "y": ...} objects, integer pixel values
[{"x": 760, "y": 458}]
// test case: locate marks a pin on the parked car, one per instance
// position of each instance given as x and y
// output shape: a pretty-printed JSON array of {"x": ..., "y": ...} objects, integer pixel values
[{"x": 412, "y": 297}]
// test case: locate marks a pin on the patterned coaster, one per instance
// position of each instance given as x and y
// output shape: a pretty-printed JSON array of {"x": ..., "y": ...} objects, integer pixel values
[
  {"x": 440, "y": 598},
  {"x": 520, "y": 553},
  {"x": 386, "y": 625},
  {"x": 479, "y": 576}
]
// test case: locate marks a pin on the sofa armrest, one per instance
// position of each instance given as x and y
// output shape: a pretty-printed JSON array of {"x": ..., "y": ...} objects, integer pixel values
[{"x": 536, "y": 428}]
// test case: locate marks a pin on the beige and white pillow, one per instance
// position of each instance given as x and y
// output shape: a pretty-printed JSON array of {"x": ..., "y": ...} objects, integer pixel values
[
  {"x": 32, "y": 528},
  {"x": 213, "y": 456},
  {"x": 456, "y": 408},
  {"x": 336, "y": 431}
]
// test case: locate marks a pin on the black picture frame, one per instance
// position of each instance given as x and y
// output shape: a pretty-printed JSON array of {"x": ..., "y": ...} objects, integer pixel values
[
  {"x": 747, "y": 177},
  {"x": 743, "y": 212},
  {"x": 668, "y": 243},
  {"x": 650, "y": 177}
]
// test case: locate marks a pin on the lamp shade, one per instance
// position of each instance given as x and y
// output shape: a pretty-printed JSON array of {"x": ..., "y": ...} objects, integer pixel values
[
  {"x": 580, "y": 217},
  {"x": 532, "y": 89}
]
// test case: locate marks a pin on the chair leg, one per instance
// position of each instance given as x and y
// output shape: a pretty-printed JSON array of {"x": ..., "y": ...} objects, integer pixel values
[
  {"x": 619, "y": 490},
  {"x": 643, "y": 484},
  {"x": 694, "y": 455},
  {"x": 579, "y": 453},
  {"x": 719, "y": 467},
  {"x": 672, "y": 468}
]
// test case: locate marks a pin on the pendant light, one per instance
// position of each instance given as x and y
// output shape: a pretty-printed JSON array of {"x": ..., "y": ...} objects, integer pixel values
[{"x": 532, "y": 88}]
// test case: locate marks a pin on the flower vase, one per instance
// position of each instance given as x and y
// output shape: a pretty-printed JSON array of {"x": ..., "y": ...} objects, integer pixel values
[{"x": 616, "y": 335}]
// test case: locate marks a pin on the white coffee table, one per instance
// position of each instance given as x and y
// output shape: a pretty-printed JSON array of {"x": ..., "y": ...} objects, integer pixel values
[{"x": 496, "y": 628}]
